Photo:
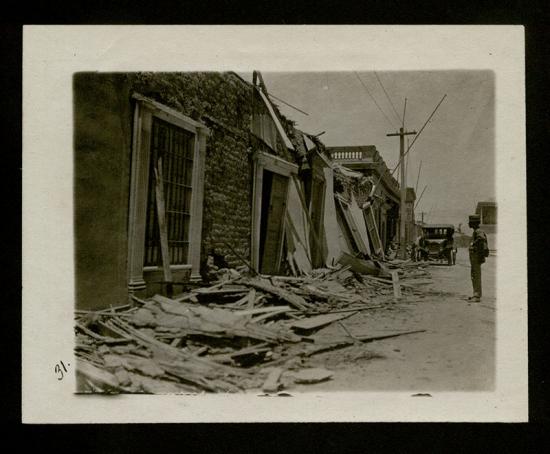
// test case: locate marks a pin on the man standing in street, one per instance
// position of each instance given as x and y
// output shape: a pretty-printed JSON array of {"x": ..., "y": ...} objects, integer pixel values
[{"x": 479, "y": 250}]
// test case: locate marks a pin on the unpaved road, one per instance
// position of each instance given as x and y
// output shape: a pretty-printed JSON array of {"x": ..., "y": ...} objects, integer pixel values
[{"x": 456, "y": 353}]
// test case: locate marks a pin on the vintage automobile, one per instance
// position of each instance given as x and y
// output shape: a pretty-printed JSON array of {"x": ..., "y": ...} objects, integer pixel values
[{"x": 437, "y": 243}]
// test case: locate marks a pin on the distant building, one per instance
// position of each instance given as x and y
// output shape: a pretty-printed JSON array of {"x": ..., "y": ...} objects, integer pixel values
[
  {"x": 488, "y": 214},
  {"x": 367, "y": 160}
]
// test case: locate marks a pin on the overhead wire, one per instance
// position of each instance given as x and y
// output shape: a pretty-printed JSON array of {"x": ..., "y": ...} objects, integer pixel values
[
  {"x": 418, "y": 177},
  {"x": 427, "y": 121},
  {"x": 374, "y": 100},
  {"x": 288, "y": 104},
  {"x": 400, "y": 120},
  {"x": 419, "y": 132},
  {"x": 409, "y": 146},
  {"x": 420, "y": 198}
]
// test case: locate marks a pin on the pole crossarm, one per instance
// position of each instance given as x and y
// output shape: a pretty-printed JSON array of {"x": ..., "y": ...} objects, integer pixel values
[{"x": 405, "y": 133}]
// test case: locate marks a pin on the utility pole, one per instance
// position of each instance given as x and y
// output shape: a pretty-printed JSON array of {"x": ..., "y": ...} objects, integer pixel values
[{"x": 402, "y": 212}]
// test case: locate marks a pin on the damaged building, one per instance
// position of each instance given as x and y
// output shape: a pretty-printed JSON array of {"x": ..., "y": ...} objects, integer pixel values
[
  {"x": 178, "y": 172},
  {"x": 215, "y": 240},
  {"x": 367, "y": 162}
]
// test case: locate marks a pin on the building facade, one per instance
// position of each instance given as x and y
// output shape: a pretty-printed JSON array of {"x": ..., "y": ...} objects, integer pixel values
[{"x": 174, "y": 168}]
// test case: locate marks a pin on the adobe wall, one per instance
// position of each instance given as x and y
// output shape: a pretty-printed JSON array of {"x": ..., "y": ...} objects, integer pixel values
[
  {"x": 102, "y": 139},
  {"x": 222, "y": 102}
]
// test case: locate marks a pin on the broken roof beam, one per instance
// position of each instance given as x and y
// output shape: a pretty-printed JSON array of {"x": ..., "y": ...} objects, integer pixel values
[{"x": 276, "y": 121}]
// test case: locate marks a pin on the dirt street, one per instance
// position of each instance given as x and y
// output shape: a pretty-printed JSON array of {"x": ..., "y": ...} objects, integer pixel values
[{"x": 457, "y": 351}]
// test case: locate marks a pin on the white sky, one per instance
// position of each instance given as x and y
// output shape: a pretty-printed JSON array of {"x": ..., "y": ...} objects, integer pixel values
[{"x": 456, "y": 148}]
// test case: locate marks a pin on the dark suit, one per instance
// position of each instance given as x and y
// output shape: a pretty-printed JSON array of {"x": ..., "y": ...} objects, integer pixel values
[{"x": 477, "y": 257}]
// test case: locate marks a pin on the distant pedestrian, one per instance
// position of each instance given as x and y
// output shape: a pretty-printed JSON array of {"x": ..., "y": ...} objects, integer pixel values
[{"x": 479, "y": 251}]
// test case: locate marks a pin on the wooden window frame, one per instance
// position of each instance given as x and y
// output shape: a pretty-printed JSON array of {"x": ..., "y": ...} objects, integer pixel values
[
  {"x": 144, "y": 111},
  {"x": 265, "y": 161}
]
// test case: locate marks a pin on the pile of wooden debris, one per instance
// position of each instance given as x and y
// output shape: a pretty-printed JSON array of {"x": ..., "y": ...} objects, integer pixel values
[{"x": 243, "y": 332}]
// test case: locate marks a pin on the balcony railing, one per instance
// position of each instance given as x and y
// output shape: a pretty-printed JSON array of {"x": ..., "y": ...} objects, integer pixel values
[{"x": 349, "y": 155}]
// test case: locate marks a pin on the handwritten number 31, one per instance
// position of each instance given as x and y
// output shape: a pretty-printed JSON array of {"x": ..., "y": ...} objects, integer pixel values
[{"x": 59, "y": 369}]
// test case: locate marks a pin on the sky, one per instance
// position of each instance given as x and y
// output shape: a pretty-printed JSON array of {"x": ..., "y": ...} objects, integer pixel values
[{"x": 456, "y": 147}]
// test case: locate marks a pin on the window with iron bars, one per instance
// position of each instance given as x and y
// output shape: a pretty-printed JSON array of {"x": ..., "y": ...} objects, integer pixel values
[{"x": 175, "y": 146}]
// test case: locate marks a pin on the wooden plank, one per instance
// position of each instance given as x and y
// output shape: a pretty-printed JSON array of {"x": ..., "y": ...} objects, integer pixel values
[
  {"x": 251, "y": 299},
  {"x": 98, "y": 376},
  {"x": 161, "y": 217},
  {"x": 312, "y": 375},
  {"x": 263, "y": 310},
  {"x": 318, "y": 321},
  {"x": 271, "y": 314},
  {"x": 341, "y": 311},
  {"x": 297, "y": 279},
  {"x": 330, "y": 221},
  {"x": 294, "y": 300},
  {"x": 199, "y": 351},
  {"x": 360, "y": 265},
  {"x": 401, "y": 283},
  {"x": 357, "y": 214},
  {"x": 297, "y": 230},
  {"x": 317, "y": 206},
  {"x": 222, "y": 291},
  {"x": 363, "y": 338},
  {"x": 90, "y": 332},
  {"x": 276, "y": 121},
  {"x": 377, "y": 279},
  {"x": 302, "y": 197},
  {"x": 345, "y": 238},
  {"x": 254, "y": 350},
  {"x": 271, "y": 385},
  {"x": 396, "y": 286},
  {"x": 351, "y": 225},
  {"x": 216, "y": 286},
  {"x": 175, "y": 342},
  {"x": 274, "y": 232},
  {"x": 153, "y": 344},
  {"x": 368, "y": 213},
  {"x": 291, "y": 230},
  {"x": 337, "y": 344}
]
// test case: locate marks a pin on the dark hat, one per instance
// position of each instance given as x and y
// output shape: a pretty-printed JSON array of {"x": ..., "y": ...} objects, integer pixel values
[{"x": 474, "y": 218}]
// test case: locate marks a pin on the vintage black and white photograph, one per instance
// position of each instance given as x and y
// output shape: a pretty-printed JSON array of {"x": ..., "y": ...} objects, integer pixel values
[
  {"x": 289, "y": 230},
  {"x": 285, "y": 232}
]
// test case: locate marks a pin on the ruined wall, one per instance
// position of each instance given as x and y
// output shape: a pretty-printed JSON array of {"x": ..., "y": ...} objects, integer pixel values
[
  {"x": 102, "y": 138},
  {"x": 223, "y": 103},
  {"x": 103, "y": 119}
]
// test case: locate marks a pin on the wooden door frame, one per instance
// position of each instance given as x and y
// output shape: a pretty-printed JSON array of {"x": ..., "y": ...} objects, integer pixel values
[{"x": 264, "y": 161}]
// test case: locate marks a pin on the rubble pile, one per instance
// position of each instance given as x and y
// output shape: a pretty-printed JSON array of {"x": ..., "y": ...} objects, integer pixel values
[{"x": 243, "y": 332}]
